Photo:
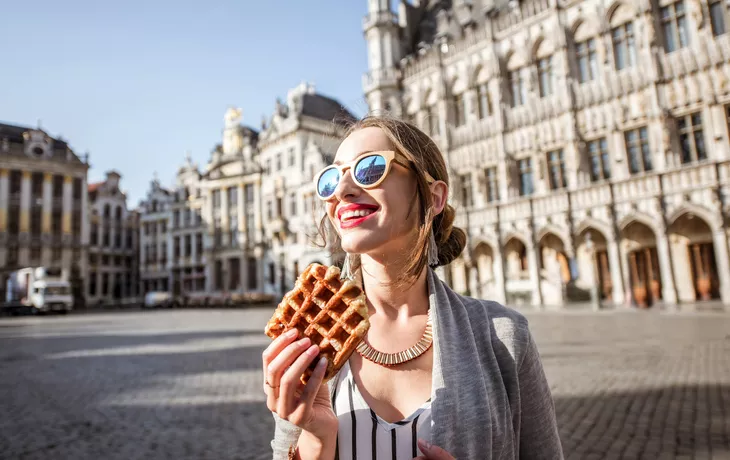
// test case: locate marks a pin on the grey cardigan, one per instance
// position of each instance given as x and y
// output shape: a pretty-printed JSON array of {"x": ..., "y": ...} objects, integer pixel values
[{"x": 490, "y": 397}]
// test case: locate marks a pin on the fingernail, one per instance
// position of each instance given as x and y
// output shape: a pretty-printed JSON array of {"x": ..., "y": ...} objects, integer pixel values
[
  {"x": 313, "y": 350},
  {"x": 424, "y": 445},
  {"x": 304, "y": 342},
  {"x": 322, "y": 362}
]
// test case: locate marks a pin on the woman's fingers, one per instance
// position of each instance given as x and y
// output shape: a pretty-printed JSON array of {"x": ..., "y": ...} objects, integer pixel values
[
  {"x": 306, "y": 399},
  {"x": 276, "y": 346},
  {"x": 290, "y": 381},
  {"x": 283, "y": 360}
]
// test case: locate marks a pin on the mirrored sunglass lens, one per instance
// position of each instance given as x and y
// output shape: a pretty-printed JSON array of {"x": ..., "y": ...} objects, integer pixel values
[
  {"x": 328, "y": 182},
  {"x": 369, "y": 169}
]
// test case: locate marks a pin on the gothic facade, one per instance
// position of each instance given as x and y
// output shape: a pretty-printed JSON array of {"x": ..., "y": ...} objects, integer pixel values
[{"x": 587, "y": 140}]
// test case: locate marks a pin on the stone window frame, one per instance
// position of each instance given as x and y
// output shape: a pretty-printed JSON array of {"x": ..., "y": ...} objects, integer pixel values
[
  {"x": 525, "y": 168},
  {"x": 644, "y": 143},
  {"x": 431, "y": 114},
  {"x": 458, "y": 101},
  {"x": 718, "y": 11},
  {"x": 556, "y": 170},
  {"x": 691, "y": 124},
  {"x": 587, "y": 49},
  {"x": 544, "y": 68},
  {"x": 623, "y": 38},
  {"x": 491, "y": 184},
  {"x": 481, "y": 95},
  {"x": 517, "y": 87},
  {"x": 672, "y": 20},
  {"x": 484, "y": 108},
  {"x": 602, "y": 154},
  {"x": 517, "y": 79}
]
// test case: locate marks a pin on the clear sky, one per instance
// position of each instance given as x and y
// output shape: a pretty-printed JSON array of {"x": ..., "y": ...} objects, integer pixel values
[{"x": 138, "y": 83}]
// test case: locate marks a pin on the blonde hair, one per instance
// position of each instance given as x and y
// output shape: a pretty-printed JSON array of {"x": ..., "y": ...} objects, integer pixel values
[{"x": 425, "y": 156}]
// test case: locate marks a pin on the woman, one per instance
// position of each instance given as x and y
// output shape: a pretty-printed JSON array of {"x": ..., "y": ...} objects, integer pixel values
[{"x": 476, "y": 390}]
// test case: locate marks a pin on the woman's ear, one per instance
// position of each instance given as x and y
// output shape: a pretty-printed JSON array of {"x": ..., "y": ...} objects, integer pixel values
[{"x": 439, "y": 194}]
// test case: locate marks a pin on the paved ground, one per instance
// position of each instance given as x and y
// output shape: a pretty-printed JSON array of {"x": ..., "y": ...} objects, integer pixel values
[{"x": 187, "y": 384}]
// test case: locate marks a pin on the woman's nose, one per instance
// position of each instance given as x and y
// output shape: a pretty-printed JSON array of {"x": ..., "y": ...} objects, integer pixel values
[{"x": 347, "y": 188}]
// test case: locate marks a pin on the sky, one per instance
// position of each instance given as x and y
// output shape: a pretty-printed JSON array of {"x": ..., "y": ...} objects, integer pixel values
[{"x": 138, "y": 83}]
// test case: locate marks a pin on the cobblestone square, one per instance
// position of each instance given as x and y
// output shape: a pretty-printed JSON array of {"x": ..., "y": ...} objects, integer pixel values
[{"x": 186, "y": 384}]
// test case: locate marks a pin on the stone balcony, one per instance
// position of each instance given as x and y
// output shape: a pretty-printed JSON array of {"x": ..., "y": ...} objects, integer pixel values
[
  {"x": 377, "y": 78},
  {"x": 381, "y": 18}
]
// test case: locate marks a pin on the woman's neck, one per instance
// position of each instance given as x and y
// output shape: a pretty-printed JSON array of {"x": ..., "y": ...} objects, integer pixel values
[{"x": 386, "y": 296}]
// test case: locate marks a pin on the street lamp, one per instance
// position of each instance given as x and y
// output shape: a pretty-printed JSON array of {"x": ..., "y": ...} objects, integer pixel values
[{"x": 595, "y": 299}]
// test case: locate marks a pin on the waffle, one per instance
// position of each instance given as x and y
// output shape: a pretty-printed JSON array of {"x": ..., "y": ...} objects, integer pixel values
[{"x": 330, "y": 311}]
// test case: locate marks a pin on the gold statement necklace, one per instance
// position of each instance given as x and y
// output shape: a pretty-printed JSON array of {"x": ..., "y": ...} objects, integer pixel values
[{"x": 393, "y": 359}]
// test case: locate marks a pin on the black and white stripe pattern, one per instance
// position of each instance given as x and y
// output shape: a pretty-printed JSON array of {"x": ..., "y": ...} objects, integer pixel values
[{"x": 364, "y": 435}]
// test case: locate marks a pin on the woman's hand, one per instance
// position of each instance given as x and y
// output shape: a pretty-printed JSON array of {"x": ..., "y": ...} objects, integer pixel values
[
  {"x": 431, "y": 452},
  {"x": 308, "y": 407}
]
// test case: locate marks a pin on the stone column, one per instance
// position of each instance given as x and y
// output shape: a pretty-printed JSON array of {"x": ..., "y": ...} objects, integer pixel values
[
  {"x": 624, "y": 256},
  {"x": 533, "y": 260},
  {"x": 243, "y": 273},
  {"x": 500, "y": 284},
  {"x": 225, "y": 225},
  {"x": 669, "y": 292},
  {"x": 241, "y": 217},
  {"x": 47, "y": 203},
  {"x": 209, "y": 275},
  {"x": 614, "y": 262},
  {"x": 67, "y": 205},
  {"x": 472, "y": 280},
  {"x": 258, "y": 212},
  {"x": 4, "y": 199},
  {"x": 25, "y": 202},
  {"x": 723, "y": 265},
  {"x": 24, "y": 227}
]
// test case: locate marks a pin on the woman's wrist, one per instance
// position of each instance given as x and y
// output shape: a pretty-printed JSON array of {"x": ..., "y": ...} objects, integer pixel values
[{"x": 319, "y": 447}]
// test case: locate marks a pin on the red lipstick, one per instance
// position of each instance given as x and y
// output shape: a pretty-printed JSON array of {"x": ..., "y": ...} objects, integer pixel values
[{"x": 355, "y": 221}]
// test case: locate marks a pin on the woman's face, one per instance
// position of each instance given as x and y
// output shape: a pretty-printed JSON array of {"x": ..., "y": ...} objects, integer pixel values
[{"x": 380, "y": 220}]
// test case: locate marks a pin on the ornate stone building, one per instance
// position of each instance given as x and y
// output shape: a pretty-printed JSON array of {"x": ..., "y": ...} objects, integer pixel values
[
  {"x": 245, "y": 222},
  {"x": 43, "y": 203},
  {"x": 113, "y": 269},
  {"x": 587, "y": 141},
  {"x": 154, "y": 238}
]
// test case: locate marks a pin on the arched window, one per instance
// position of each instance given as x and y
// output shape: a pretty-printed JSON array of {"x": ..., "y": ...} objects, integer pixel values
[
  {"x": 118, "y": 213},
  {"x": 517, "y": 77},
  {"x": 586, "y": 56},
  {"x": 544, "y": 64},
  {"x": 481, "y": 90},
  {"x": 431, "y": 115},
  {"x": 458, "y": 102},
  {"x": 623, "y": 37},
  {"x": 675, "y": 26},
  {"x": 107, "y": 211}
]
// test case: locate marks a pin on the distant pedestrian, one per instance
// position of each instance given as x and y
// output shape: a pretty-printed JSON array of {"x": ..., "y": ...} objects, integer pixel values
[{"x": 479, "y": 392}]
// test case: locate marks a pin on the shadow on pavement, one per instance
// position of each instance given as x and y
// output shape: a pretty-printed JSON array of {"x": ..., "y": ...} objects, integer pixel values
[
  {"x": 690, "y": 421},
  {"x": 62, "y": 343}
]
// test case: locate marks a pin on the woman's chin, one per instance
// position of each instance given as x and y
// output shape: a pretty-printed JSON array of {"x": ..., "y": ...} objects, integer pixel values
[{"x": 352, "y": 244}]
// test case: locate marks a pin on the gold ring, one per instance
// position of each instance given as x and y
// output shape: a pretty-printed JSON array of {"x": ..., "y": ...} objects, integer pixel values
[{"x": 266, "y": 382}]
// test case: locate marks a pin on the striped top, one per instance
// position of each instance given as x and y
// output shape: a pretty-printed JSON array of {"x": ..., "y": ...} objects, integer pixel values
[{"x": 364, "y": 435}]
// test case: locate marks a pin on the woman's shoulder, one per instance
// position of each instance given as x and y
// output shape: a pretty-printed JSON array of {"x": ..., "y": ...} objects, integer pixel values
[{"x": 507, "y": 329}]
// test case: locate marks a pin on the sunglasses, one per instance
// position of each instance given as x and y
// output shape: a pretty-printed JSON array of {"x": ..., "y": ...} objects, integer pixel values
[{"x": 368, "y": 170}]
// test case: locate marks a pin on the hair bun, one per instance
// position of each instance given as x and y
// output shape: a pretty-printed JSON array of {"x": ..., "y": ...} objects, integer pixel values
[{"x": 450, "y": 240}]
